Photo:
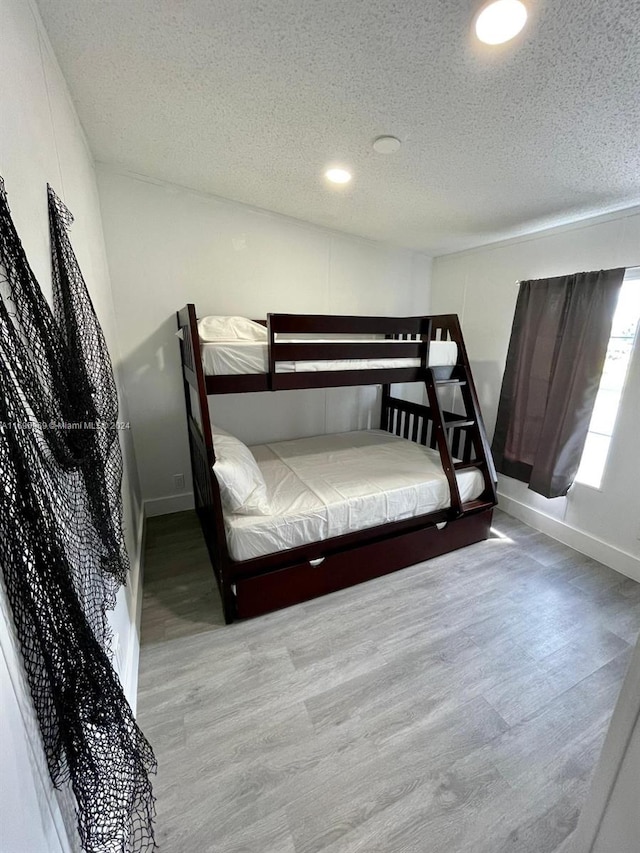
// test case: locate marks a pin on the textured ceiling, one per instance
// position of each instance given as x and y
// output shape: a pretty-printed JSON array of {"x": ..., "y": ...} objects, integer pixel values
[{"x": 251, "y": 99}]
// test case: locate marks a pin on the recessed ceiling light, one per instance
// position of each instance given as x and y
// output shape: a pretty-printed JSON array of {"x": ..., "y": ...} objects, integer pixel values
[
  {"x": 338, "y": 176},
  {"x": 500, "y": 21},
  {"x": 386, "y": 145}
]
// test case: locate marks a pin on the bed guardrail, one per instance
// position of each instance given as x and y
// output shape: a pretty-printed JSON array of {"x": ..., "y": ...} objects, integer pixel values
[
  {"x": 400, "y": 337},
  {"x": 415, "y": 422},
  {"x": 410, "y": 339}
]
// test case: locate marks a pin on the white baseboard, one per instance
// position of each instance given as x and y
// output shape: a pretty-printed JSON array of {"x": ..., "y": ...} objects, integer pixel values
[
  {"x": 132, "y": 652},
  {"x": 579, "y": 540},
  {"x": 165, "y": 506}
]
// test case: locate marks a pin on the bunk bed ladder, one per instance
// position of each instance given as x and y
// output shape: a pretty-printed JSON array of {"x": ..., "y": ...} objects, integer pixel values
[
  {"x": 476, "y": 452},
  {"x": 484, "y": 459},
  {"x": 442, "y": 440}
]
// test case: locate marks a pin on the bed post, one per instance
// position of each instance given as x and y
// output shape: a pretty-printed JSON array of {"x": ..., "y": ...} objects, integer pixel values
[{"x": 206, "y": 491}]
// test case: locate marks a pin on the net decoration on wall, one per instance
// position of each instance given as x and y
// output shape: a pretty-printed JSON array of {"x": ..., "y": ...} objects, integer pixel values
[{"x": 61, "y": 547}]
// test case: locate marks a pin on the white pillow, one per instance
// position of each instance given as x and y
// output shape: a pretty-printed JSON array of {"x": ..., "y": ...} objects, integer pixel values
[
  {"x": 230, "y": 329},
  {"x": 242, "y": 486}
]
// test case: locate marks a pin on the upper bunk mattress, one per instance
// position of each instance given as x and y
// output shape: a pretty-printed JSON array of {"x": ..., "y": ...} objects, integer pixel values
[
  {"x": 224, "y": 358},
  {"x": 329, "y": 485}
]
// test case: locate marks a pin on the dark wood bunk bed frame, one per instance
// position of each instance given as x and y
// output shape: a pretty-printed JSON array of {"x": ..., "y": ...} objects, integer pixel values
[{"x": 259, "y": 585}]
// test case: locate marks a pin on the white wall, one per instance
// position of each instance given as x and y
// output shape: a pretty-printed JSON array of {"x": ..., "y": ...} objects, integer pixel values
[
  {"x": 610, "y": 820},
  {"x": 620, "y": 828},
  {"x": 168, "y": 246},
  {"x": 41, "y": 141},
  {"x": 480, "y": 285}
]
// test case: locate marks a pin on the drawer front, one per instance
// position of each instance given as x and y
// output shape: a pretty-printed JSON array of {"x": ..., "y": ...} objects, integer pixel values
[
  {"x": 280, "y": 588},
  {"x": 331, "y": 572}
]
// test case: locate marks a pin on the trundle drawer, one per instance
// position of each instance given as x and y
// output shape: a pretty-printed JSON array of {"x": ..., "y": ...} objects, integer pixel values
[{"x": 334, "y": 571}]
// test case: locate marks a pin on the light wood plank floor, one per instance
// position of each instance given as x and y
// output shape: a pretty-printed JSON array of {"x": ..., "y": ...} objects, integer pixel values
[{"x": 458, "y": 705}]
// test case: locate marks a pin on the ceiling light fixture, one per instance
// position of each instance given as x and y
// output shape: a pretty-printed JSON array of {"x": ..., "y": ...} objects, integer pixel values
[
  {"x": 386, "y": 145},
  {"x": 500, "y": 21},
  {"x": 338, "y": 176}
]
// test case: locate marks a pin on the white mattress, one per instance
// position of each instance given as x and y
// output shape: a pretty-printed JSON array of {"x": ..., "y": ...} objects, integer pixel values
[
  {"x": 333, "y": 484},
  {"x": 224, "y": 358}
]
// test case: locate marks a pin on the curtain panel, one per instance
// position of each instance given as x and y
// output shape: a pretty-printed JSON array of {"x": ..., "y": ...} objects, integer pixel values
[{"x": 556, "y": 355}]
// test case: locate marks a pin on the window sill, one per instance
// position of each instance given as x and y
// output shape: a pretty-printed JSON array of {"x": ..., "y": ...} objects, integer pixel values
[{"x": 582, "y": 485}]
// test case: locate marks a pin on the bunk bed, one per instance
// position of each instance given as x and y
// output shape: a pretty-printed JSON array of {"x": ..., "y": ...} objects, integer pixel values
[{"x": 315, "y": 351}]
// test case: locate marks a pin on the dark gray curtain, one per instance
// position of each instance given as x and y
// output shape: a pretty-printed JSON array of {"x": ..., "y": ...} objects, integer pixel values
[{"x": 556, "y": 355}]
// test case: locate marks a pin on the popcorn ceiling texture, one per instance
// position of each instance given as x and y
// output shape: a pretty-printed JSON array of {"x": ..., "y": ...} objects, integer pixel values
[{"x": 251, "y": 100}]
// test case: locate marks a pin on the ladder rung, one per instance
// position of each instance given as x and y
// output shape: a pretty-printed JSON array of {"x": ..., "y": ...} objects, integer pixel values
[
  {"x": 468, "y": 506},
  {"x": 460, "y": 423},
  {"x": 462, "y": 466},
  {"x": 450, "y": 381}
]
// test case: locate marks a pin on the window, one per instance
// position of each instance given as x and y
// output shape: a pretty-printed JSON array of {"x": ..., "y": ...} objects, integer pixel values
[
  {"x": 558, "y": 344},
  {"x": 605, "y": 410}
]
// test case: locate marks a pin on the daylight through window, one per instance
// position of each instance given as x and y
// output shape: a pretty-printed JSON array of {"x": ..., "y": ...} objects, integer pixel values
[{"x": 605, "y": 411}]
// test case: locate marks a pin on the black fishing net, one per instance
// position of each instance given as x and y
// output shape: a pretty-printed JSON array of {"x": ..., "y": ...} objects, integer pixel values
[
  {"x": 94, "y": 397},
  {"x": 61, "y": 547}
]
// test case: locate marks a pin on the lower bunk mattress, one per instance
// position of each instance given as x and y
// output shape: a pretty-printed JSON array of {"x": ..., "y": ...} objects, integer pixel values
[{"x": 330, "y": 485}]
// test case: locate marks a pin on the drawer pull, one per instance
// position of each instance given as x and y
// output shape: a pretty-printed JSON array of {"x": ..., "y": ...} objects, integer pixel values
[{"x": 317, "y": 561}]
